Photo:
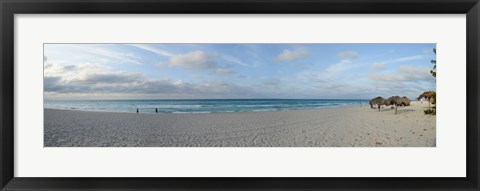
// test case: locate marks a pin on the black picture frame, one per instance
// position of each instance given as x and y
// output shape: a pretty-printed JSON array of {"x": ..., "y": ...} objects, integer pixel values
[{"x": 11, "y": 7}]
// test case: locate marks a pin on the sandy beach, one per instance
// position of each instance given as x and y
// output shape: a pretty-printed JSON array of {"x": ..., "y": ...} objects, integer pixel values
[{"x": 326, "y": 127}]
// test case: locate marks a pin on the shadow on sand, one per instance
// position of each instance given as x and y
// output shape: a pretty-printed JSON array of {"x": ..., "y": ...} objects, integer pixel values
[
  {"x": 400, "y": 109},
  {"x": 404, "y": 110}
]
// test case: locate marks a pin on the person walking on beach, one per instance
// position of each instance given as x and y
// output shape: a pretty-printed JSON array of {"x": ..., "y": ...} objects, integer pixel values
[
  {"x": 156, "y": 110},
  {"x": 137, "y": 110}
]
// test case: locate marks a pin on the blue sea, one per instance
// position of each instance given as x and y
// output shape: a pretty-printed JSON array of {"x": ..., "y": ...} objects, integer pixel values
[{"x": 203, "y": 105}]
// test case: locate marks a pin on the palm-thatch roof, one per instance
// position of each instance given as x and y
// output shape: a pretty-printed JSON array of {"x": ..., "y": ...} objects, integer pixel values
[
  {"x": 395, "y": 100},
  {"x": 405, "y": 101},
  {"x": 376, "y": 101},
  {"x": 426, "y": 95}
]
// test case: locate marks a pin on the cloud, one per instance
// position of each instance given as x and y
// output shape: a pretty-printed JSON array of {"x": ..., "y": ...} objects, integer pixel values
[
  {"x": 405, "y": 73},
  {"x": 336, "y": 81},
  {"x": 197, "y": 60},
  {"x": 109, "y": 84},
  {"x": 152, "y": 49},
  {"x": 111, "y": 55},
  {"x": 427, "y": 50},
  {"x": 90, "y": 53},
  {"x": 346, "y": 87},
  {"x": 291, "y": 55},
  {"x": 378, "y": 66},
  {"x": 242, "y": 76},
  {"x": 112, "y": 83},
  {"x": 404, "y": 80},
  {"x": 347, "y": 55},
  {"x": 235, "y": 60},
  {"x": 404, "y": 59},
  {"x": 47, "y": 66},
  {"x": 415, "y": 73},
  {"x": 80, "y": 79},
  {"x": 110, "y": 78},
  {"x": 71, "y": 72},
  {"x": 96, "y": 80},
  {"x": 51, "y": 84},
  {"x": 400, "y": 88},
  {"x": 381, "y": 65},
  {"x": 272, "y": 81},
  {"x": 385, "y": 77},
  {"x": 222, "y": 71},
  {"x": 335, "y": 70},
  {"x": 78, "y": 71}
]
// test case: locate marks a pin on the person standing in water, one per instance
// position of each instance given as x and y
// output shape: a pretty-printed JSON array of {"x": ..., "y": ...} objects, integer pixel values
[
  {"x": 137, "y": 110},
  {"x": 156, "y": 110}
]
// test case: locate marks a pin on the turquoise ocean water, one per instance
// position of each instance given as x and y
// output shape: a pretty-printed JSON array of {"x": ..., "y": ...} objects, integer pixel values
[{"x": 202, "y": 106}]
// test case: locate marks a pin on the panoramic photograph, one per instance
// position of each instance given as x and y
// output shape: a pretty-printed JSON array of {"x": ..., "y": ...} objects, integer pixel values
[{"x": 239, "y": 95}]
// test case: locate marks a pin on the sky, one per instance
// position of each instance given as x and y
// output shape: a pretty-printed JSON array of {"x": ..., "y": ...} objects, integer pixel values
[{"x": 236, "y": 71}]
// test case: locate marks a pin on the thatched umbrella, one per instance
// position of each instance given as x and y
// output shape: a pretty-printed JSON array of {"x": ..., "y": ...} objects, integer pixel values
[
  {"x": 427, "y": 95},
  {"x": 376, "y": 101},
  {"x": 395, "y": 100},
  {"x": 405, "y": 101},
  {"x": 386, "y": 102}
]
